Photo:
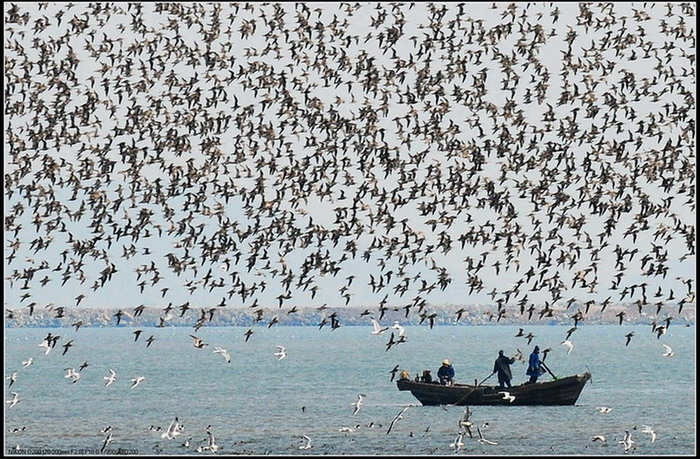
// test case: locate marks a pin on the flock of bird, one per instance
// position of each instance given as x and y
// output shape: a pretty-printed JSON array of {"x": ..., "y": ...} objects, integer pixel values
[{"x": 233, "y": 150}]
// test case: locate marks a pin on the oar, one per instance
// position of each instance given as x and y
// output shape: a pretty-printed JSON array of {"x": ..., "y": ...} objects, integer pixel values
[
  {"x": 548, "y": 370},
  {"x": 482, "y": 382}
]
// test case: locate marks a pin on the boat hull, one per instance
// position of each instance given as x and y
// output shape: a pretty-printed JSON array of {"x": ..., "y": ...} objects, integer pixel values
[{"x": 563, "y": 391}]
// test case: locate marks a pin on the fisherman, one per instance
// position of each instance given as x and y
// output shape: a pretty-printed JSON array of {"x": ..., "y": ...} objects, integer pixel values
[
  {"x": 534, "y": 368},
  {"x": 427, "y": 377},
  {"x": 446, "y": 373},
  {"x": 502, "y": 367}
]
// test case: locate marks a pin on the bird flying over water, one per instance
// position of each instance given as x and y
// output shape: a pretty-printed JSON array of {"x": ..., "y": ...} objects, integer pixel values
[
  {"x": 378, "y": 330},
  {"x": 111, "y": 378},
  {"x": 136, "y": 381},
  {"x": 358, "y": 403},
  {"x": 458, "y": 443},
  {"x": 173, "y": 430},
  {"x": 14, "y": 400},
  {"x": 650, "y": 431},
  {"x": 223, "y": 352},
  {"x": 393, "y": 372},
  {"x": 569, "y": 345},
  {"x": 198, "y": 343},
  {"x": 669, "y": 352},
  {"x": 281, "y": 352},
  {"x": 482, "y": 439},
  {"x": 397, "y": 417},
  {"x": 507, "y": 396},
  {"x": 307, "y": 445}
]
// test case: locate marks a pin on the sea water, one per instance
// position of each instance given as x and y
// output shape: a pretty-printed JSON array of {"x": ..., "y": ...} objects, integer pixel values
[{"x": 259, "y": 404}]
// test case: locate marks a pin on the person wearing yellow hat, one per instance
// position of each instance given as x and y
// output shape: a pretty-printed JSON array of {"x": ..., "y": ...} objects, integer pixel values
[{"x": 446, "y": 373}]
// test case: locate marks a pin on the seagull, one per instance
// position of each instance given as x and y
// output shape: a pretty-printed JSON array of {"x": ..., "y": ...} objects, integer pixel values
[
  {"x": 27, "y": 362},
  {"x": 669, "y": 352},
  {"x": 398, "y": 416},
  {"x": 629, "y": 337},
  {"x": 650, "y": 431},
  {"x": 569, "y": 345},
  {"x": 627, "y": 441},
  {"x": 66, "y": 346},
  {"x": 600, "y": 438},
  {"x": 12, "y": 378},
  {"x": 378, "y": 330},
  {"x": 211, "y": 446},
  {"x": 223, "y": 352},
  {"x": 173, "y": 430},
  {"x": 358, "y": 404},
  {"x": 107, "y": 441},
  {"x": 518, "y": 355},
  {"x": 458, "y": 443},
  {"x": 465, "y": 423},
  {"x": 45, "y": 344},
  {"x": 110, "y": 379},
  {"x": 482, "y": 439},
  {"x": 402, "y": 331},
  {"x": 281, "y": 353},
  {"x": 14, "y": 400},
  {"x": 604, "y": 409},
  {"x": 136, "y": 381},
  {"x": 507, "y": 396},
  {"x": 393, "y": 372},
  {"x": 308, "y": 442},
  {"x": 74, "y": 375},
  {"x": 198, "y": 343}
]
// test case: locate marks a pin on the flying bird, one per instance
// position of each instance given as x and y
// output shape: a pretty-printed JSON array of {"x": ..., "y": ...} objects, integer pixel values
[
  {"x": 396, "y": 418},
  {"x": 458, "y": 443},
  {"x": 173, "y": 430},
  {"x": 393, "y": 372},
  {"x": 111, "y": 378},
  {"x": 223, "y": 352},
  {"x": 669, "y": 352},
  {"x": 14, "y": 400},
  {"x": 308, "y": 442},
  {"x": 650, "y": 431},
  {"x": 482, "y": 439},
  {"x": 507, "y": 396},
  {"x": 198, "y": 343},
  {"x": 358, "y": 403},
  {"x": 569, "y": 345},
  {"x": 136, "y": 381},
  {"x": 72, "y": 374},
  {"x": 378, "y": 330},
  {"x": 627, "y": 441},
  {"x": 281, "y": 353}
]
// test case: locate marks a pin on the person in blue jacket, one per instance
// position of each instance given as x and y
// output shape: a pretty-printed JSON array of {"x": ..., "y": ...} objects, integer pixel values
[
  {"x": 446, "y": 373},
  {"x": 534, "y": 369}
]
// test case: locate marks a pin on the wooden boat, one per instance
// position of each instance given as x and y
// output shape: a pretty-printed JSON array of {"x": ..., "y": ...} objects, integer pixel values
[{"x": 561, "y": 391}]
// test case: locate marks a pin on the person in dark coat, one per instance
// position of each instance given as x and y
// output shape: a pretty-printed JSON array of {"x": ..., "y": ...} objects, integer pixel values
[
  {"x": 534, "y": 368},
  {"x": 446, "y": 373},
  {"x": 502, "y": 367}
]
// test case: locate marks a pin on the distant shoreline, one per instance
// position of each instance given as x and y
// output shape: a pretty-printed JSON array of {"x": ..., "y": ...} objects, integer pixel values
[{"x": 312, "y": 317}]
